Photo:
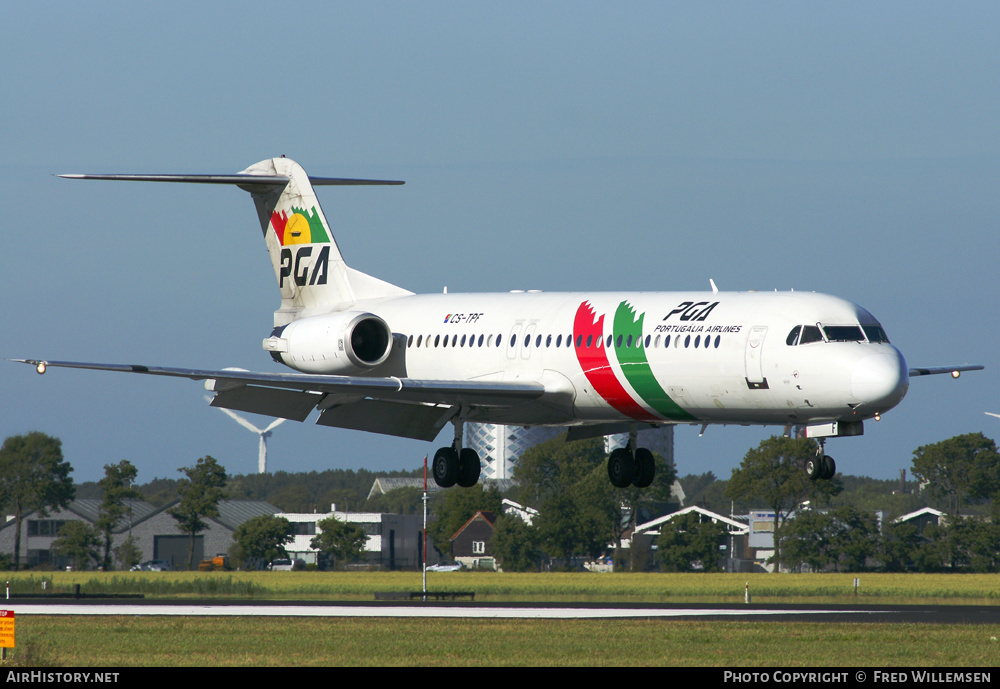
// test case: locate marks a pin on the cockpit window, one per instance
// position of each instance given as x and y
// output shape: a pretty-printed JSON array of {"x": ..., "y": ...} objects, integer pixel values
[
  {"x": 805, "y": 334},
  {"x": 810, "y": 333},
  {"x": 844, "y": 333},
  {"x": 874, "y": 333}
]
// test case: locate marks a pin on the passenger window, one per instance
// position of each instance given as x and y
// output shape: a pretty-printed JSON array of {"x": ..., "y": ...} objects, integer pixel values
[{"x": 558, "y": 340}]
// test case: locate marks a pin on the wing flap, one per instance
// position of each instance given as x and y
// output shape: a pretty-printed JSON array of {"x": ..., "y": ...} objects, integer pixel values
[
  {"x": 417, "y": 421},
  {"x": 284, "y": 404}
]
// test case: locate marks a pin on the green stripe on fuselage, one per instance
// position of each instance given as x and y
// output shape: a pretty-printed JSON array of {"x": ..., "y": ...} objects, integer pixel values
[{"x": 636, "y": 368}]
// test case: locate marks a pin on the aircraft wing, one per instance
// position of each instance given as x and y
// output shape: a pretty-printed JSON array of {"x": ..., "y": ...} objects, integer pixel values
[
  {"x": 953, "y": 370},
  {"x": 405, "y": 407}
]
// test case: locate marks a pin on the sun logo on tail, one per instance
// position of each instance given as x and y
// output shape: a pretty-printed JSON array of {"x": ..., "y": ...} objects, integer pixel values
[{"x": 302, "y": 227}]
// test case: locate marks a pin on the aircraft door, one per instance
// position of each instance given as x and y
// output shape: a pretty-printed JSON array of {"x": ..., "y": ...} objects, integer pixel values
[
  {"x": 753, "y": 362},
  {"x": 512, "y": 341},
  {"x": 529, "y": 332}
]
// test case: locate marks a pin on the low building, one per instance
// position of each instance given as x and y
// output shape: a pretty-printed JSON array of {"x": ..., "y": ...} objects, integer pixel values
[
  {"x": 471, "y": 545},
  {"x": 394, "y": 541},
  {"x": 152, "y": 528},
  {"x": 923, "y": 517},
  {"x": 735, "y": 552}
]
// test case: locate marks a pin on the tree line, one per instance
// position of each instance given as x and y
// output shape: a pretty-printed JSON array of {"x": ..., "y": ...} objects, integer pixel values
[
  {"x": 579, "y": 512},
  {"x": 833, "y": 525}
]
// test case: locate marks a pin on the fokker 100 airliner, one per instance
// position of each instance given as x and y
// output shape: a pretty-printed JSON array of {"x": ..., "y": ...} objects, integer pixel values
[{"x": 372, "y": 356}]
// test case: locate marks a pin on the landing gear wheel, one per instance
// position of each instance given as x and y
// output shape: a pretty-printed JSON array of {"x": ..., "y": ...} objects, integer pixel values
[
  {"x": 621, "y": 468},
  {"x": 645, "y": 468},
  {"x": 445, "y": 467},
  {"x": 469, "y": 468},
  {"x": 814, "y": 468},
  {"x": 829, "y": 468}
]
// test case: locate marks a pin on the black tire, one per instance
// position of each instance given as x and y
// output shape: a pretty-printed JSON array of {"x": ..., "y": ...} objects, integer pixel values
[
  {"x": 469, "y": 468},
  {"x": 645, "y": 468},
  {"x": 829, "y": 469},
  {"x": 814, "y": 468},
  {"x": 445, "y": 467},
  {"x": 621, "y": 468}
]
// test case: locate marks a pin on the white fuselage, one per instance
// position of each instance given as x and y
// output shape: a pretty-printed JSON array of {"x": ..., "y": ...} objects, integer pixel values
[{"x": 680, "y": 357}]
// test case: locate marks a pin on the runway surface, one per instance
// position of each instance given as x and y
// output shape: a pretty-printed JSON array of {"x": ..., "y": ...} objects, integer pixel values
[{"x": 954, "y": 614}]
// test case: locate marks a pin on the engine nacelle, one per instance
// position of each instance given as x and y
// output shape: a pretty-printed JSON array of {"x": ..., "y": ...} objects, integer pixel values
[{"x": 337, "y": 343}]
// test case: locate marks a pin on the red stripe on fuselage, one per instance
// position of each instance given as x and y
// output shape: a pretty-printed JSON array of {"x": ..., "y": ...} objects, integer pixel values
[{"x": 594, "y": 362}]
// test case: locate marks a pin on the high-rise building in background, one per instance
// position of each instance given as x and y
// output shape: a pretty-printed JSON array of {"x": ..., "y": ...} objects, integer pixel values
[{"x": 499, "y": 447}]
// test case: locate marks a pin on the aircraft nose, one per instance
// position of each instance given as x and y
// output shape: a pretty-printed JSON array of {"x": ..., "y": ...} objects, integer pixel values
[{"x": 880, "y": 380}]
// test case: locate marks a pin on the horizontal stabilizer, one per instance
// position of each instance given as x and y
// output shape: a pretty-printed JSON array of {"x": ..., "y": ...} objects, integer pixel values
[
  {"x": 953, "y": 370},
  {"x": 238, "y": 179}
]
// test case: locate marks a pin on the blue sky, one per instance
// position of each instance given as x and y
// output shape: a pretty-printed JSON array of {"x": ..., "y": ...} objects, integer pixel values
[{"x": 846, "y": 148}]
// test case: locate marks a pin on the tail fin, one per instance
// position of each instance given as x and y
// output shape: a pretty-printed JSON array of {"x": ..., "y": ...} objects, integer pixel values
[
  {"x": 311, "y": 273},
  {"x": 308, "y": 265}
]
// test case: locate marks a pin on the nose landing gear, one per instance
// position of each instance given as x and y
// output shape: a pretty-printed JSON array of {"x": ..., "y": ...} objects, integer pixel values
[{"x": 821, "y": 467}]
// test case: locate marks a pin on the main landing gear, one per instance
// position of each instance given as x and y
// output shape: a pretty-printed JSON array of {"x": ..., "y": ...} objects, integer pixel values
[
  {"x": 456, "y": 464},
  {"x": 821, "y": 467},
  {"x": 627, "y": 468}
]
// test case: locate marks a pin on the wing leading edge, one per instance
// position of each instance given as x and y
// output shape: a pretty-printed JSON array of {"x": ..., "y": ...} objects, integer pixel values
[{"x": 404, "y": 407}]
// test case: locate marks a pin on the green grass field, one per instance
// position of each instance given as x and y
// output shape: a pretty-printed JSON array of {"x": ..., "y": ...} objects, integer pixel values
[
  {"x": 148, "y": 641},
  {"x": 549, "y": 587},
  {"x": 299, "y": 642}
]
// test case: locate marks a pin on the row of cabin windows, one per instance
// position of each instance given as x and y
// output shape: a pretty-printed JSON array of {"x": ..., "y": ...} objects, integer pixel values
[
  {"x": 805, "y": 334},
  {"x": 623, "y": 341}
]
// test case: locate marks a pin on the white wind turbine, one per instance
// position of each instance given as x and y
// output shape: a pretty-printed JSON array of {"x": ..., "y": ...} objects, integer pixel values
[{"x": 263, "y": 433}]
